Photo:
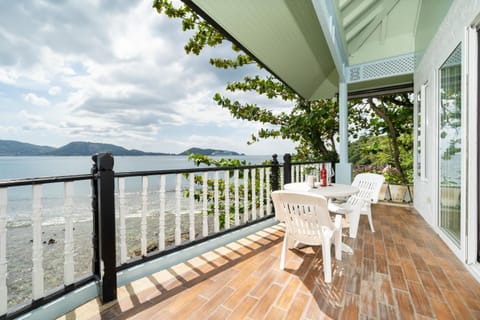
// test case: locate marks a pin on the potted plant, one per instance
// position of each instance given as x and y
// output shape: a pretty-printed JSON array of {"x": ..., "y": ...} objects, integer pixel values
[{"x": 397, "y": 188}]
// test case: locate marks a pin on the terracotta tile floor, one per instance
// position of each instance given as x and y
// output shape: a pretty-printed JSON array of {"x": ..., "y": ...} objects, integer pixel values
[{"x": 402, "y": 271}]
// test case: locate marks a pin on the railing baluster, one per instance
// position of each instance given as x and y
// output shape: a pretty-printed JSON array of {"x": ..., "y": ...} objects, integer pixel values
[
  {"x": 143, "y": 223},
  {"x": 68, "y": 270},
  {"x": 178, "y": 208},
  {"x": 227, "y": 199},
  {"x": 282, "y": 179},
  {"x": 237, "y": 198},
  {"x": 254, "y": 196},
  {"x": 191, "y": 178},
  {"x": 261, "y": 200},
  {"x": 3, "y": 251},
  {"x": 245, "y": 195},
  {"x": 205, "y": 203},
  {"x": 122, "y": 228},
  {"x": 161, "y": 222},
  {"x": 268, "y": 188},
  {"x": 216, "y": 222},
  {"x": 37, "y": 256}
]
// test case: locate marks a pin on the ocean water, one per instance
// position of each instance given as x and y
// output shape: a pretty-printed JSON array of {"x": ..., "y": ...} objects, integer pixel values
[
  {"x": 20, "y": 198},
  {"x": 19, "y": 213},
  {"x": 28, "y": 167}
]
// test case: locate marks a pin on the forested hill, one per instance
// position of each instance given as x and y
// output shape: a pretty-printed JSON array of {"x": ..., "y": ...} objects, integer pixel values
[
  {"x": 16, "y": 148},
  {"x": 81, "y": 148},
  {"x": 211, "y": 152}
]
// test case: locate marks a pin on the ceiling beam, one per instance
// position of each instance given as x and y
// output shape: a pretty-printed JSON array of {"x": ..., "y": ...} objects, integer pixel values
[
  {"x": 353, "y": 14},
  {"x": 377, "y": 92},
  {"x": 360, "y": 39},
  {"x": 325, "y": 11}
]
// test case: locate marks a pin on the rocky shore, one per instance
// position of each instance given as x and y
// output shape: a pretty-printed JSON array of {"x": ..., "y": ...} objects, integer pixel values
[{"x": 19, "y": 258}]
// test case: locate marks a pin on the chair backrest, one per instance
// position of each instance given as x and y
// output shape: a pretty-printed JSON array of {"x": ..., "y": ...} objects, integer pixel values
[
  {"x": 305, "y": 215},
  {"x": 369, "y": 185}
]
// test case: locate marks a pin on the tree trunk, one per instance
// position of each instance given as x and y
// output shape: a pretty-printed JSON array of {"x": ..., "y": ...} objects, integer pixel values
[{"x": 392, "y": 133}]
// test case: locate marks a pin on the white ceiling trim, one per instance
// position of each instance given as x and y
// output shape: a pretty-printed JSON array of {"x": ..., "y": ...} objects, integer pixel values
[{"x": 395, "y": 66}]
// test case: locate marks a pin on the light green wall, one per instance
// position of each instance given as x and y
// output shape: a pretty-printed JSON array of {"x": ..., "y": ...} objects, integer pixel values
[{"x": 431, "y": 15}]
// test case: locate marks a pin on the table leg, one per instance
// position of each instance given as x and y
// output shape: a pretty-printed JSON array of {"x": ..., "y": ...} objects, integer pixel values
[{"x": 346, "y": 248}]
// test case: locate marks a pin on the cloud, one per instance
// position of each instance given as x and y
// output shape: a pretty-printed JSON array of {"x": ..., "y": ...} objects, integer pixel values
[
  {"x": 115, "y": 72},
  {"x": 36, "y": 100},
  {"x": 8, "y": 75},
  {"x": 53, "y": 91}
]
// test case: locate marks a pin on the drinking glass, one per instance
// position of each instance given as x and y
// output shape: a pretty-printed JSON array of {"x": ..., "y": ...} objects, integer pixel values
[{"x": 330, "y": 174}]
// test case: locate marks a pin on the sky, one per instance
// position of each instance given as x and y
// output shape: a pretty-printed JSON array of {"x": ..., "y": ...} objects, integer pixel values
[{"x": 115, "y": 72}]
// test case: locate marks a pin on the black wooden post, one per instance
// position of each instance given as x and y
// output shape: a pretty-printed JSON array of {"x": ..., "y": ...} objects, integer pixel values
[
  {"x": 95, "y": 231},
  {"x": 104, "y": 226},
  {"x": 287, "y": 168},
  {"x": 275, "y": 173}
]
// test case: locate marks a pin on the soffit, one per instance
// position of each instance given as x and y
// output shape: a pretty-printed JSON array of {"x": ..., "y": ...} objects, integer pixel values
[
  {"x": 377, "y": 29},
  {"x": 285, "y": 36}
]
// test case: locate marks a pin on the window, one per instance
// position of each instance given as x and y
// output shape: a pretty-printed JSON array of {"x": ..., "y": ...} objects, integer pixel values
[
  {"x": 450, "y": 145},
  {"x": 421, "y": 129}
]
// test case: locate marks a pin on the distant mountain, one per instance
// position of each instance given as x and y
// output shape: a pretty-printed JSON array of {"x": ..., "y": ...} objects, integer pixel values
[
  {"x": 211, "y": 152},
  {"x": 82, "y": 148},
  {"x": 16, "y": 148}
]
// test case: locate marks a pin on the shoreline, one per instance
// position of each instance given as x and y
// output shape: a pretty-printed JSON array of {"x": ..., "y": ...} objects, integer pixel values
[{"x": 19, "y": 250}]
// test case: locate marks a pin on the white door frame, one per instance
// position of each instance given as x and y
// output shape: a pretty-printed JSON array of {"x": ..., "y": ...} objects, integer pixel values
[
  {"x": 472, "y": 56},
  {"x": 459, "y": 251}
]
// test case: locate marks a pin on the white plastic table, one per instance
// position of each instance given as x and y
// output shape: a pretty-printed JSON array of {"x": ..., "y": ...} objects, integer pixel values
[{"x": 335, "y": 190}]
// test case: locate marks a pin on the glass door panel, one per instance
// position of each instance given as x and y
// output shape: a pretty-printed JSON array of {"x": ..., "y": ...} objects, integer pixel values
[{"x": 450, "y": 142}]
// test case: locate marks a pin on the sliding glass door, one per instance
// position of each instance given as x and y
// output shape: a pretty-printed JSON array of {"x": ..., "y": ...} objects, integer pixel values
[{"x": 450, "y": 146}]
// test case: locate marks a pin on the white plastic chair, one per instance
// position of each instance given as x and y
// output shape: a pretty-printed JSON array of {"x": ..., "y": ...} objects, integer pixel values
[
  {"x": 308, "y": 221},
  {"x": 369, "y": 185}
]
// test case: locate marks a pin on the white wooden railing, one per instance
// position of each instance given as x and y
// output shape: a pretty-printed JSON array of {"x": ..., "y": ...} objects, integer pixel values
[
  {"x": 224, "y": 205},
  {"x": 298, "y": 171},
  {"x": 219, "y": 199},
  {"x": 37, "y": 220}
]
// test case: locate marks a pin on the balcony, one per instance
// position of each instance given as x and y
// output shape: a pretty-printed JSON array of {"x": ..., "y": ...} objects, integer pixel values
[
  {"x": 402, "y": 271},
  {"x": 230, "y": 270}
]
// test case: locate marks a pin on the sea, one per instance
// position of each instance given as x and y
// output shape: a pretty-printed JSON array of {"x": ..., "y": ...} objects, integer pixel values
[
  {"x": 19, "y": 198},
  {"x": 19, "y": 213}
]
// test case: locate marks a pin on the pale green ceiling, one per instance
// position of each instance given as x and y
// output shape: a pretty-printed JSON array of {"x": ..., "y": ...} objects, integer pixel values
[
  {"x": 284, "y": 36},
  {"x": 377, "y": 29},
  {"x": 311, "y": 44}
]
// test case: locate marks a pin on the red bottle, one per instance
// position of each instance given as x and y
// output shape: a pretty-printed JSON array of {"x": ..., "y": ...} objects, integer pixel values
[{"x": 323, "y": 176}]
